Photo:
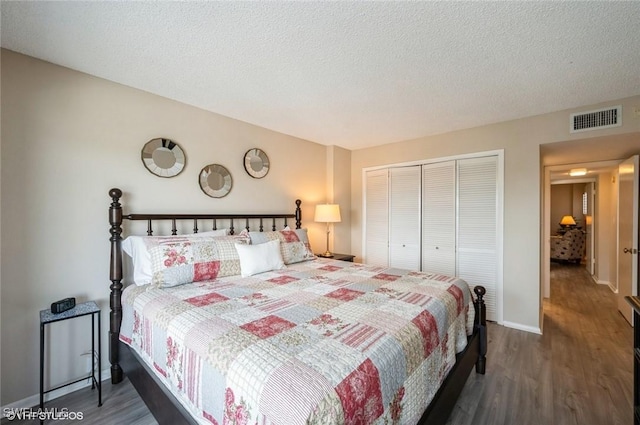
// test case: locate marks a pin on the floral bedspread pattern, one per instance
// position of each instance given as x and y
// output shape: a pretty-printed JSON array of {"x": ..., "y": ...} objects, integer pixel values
[{"x": 320, "y": 342}]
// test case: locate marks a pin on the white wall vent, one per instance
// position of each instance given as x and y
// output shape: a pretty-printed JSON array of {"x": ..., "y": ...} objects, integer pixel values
[{"x": 596, "y": 120}]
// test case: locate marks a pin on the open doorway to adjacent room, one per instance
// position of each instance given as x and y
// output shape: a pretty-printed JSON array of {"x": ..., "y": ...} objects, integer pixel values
[
  {"x": 572, "y": 218},
  {"x": 591, "y": 200}
]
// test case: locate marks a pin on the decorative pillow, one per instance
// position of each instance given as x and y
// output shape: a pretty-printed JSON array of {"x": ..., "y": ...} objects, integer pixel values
[
  {"x": 195, "y": 259},
  {"x": 294, "y": 244},
  {"x": 137, "y": 247},
  {"x": 260, "y": 258}
]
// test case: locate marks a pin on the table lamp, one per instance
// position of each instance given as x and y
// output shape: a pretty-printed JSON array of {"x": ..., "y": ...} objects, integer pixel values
[
  {"x": 567, "y": 222},
  {"x": 327, "y": 213}
]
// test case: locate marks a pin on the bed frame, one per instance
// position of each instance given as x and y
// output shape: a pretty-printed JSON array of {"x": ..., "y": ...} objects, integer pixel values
[{"x": 165, "y": 407}]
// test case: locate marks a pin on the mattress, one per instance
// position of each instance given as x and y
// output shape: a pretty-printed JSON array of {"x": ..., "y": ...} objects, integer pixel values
[{"x": 319, "y": 342}]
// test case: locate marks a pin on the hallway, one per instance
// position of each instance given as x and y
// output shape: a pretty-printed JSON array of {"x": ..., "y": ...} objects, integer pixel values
[{"x": 579, "y": 372}]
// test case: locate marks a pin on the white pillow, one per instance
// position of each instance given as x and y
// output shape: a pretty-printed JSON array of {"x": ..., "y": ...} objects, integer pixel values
[
  {"x": 260, "y": 258},
  {"x": 136, "y": 248}
]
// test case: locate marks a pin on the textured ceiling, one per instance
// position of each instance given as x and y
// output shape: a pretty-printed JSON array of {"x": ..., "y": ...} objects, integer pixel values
[{"x": 351, "y": 74}]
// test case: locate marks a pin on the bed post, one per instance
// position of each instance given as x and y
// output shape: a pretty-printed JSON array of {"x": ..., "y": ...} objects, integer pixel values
[
  {"x": 481, "y": 327},
  {"x": 115, "y": 275},
  {"x": 298, "y": 214}
]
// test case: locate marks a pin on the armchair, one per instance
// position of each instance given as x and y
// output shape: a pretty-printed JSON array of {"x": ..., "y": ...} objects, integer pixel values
[{"x": 569, "y": 247}]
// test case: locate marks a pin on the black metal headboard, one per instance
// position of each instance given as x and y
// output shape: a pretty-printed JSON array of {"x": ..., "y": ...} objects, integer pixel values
[{"x": 116, "y": 219}]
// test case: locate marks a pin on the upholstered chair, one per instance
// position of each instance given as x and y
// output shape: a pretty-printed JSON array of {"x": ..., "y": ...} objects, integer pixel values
[{"x": 569, "y": 247}]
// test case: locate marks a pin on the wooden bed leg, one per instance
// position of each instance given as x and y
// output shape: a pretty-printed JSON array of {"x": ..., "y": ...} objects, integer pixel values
[
  {"x": 481, "y": 328},
  {"x": 482, "y": 359},
  {"x": 115, "y": 275},
  {"x": 116, "y": 370}
]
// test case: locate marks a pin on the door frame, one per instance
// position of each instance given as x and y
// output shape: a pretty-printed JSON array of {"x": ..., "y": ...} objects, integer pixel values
[
  {"x": 545, "y": 230},
  {"x": 635, "y": 159}
]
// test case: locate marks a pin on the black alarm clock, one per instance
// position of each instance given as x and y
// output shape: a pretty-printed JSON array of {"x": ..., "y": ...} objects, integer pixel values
[{"x": 63, "y": 305}]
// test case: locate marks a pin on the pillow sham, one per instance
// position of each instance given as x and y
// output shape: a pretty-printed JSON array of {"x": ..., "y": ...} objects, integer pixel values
[
  {"x": 294, "y": 244},
  {"x": 260, "y": 258},
  {"x": 137, "y": 247},
  {"x": 185, "y": 260}
]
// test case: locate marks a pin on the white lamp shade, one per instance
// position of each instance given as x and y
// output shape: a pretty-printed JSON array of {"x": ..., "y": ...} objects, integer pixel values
[{"x": 327, "y": 213}]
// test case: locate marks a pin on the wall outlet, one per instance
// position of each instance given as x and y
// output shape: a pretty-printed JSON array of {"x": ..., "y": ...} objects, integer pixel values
[{"x": 636, "y": 111}]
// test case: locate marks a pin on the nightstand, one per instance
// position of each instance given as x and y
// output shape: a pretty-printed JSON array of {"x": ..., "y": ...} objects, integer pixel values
[
  {"x": 83, "y": 309},
  {"x": 341, "y": 257}
]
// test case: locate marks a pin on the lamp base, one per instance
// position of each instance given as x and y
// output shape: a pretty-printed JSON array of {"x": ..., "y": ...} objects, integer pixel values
[{"x": 325, "y": 255}]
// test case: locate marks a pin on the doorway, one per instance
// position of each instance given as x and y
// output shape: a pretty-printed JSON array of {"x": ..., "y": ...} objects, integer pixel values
[
  {"x": 591, "y": 200},
  {"x": 572, "y": 218},
  {"x": 565, "y": 155}
]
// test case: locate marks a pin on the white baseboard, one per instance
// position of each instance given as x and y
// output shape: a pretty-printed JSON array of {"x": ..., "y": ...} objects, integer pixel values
[
  {"x": 34, "y": 400},
  {"x": 597, "y": 280},
  {"x": 521, "y": 327}
]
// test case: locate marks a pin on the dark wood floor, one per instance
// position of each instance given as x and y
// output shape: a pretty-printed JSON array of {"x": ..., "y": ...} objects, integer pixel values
[{"x": 578, "y": 372}]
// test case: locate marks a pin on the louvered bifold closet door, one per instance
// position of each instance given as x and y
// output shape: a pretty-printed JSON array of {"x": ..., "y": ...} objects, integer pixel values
[
  {"x": 439, "y": 218},
  {"x": 404, "y": 223},
  {"x": 377, "y": 218},
  {"x": 477, "y": 226}
]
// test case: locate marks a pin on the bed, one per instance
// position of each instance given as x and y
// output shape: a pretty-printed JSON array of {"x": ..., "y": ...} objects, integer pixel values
[{"x": 297, "y": 339}]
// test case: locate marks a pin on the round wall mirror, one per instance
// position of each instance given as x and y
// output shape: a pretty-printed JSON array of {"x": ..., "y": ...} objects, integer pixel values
[
  {"x": 215, "y": 180},
  {"x": 163, "y": 157},
  {"x": 256, "y": 162}
]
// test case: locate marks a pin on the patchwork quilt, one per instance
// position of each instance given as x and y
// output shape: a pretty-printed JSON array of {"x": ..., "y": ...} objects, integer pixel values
[{"x": 320, "y": 342}]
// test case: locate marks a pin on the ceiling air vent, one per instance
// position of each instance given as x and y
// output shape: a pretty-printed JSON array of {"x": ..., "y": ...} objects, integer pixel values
[{"x": 596, "y": 120}]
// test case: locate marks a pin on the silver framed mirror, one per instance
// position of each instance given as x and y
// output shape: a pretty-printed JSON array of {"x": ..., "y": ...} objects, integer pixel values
[
  {"x": 215, "y": 180},
  {"x": 256, "y": 163},
  {"x": 163, "y": 157}
]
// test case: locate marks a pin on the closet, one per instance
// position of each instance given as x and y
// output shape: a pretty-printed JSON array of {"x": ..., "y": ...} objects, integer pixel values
[
  {"x": 438, "y": 216},
  {"x": 404, "y": 217}
]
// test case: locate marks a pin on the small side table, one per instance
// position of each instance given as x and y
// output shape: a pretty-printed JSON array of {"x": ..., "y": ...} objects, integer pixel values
[
  {"x": 83, "y": 309},
  {"x": 341, "y": 257}
]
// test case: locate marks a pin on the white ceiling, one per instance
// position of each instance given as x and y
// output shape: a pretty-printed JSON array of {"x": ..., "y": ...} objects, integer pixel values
[{"x": 348, "y": 73}]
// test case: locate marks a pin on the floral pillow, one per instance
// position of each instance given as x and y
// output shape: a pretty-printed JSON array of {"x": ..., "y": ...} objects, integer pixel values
[
  {"x": 195, "y": 259},
  {"x": 137, "y": 247},
  {"x": 294, "y": 244}
]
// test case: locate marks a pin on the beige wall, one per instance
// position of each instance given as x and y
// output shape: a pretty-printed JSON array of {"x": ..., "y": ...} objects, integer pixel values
[
  {"x": 67, "y": 138},
  {"x": 521, "y": 140},
  {"x": 561, "y": 204},
  {"x": 339, "y": 192},
  {"x": 606, "y": 230},
  {"x": 566, "y": 199}
]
